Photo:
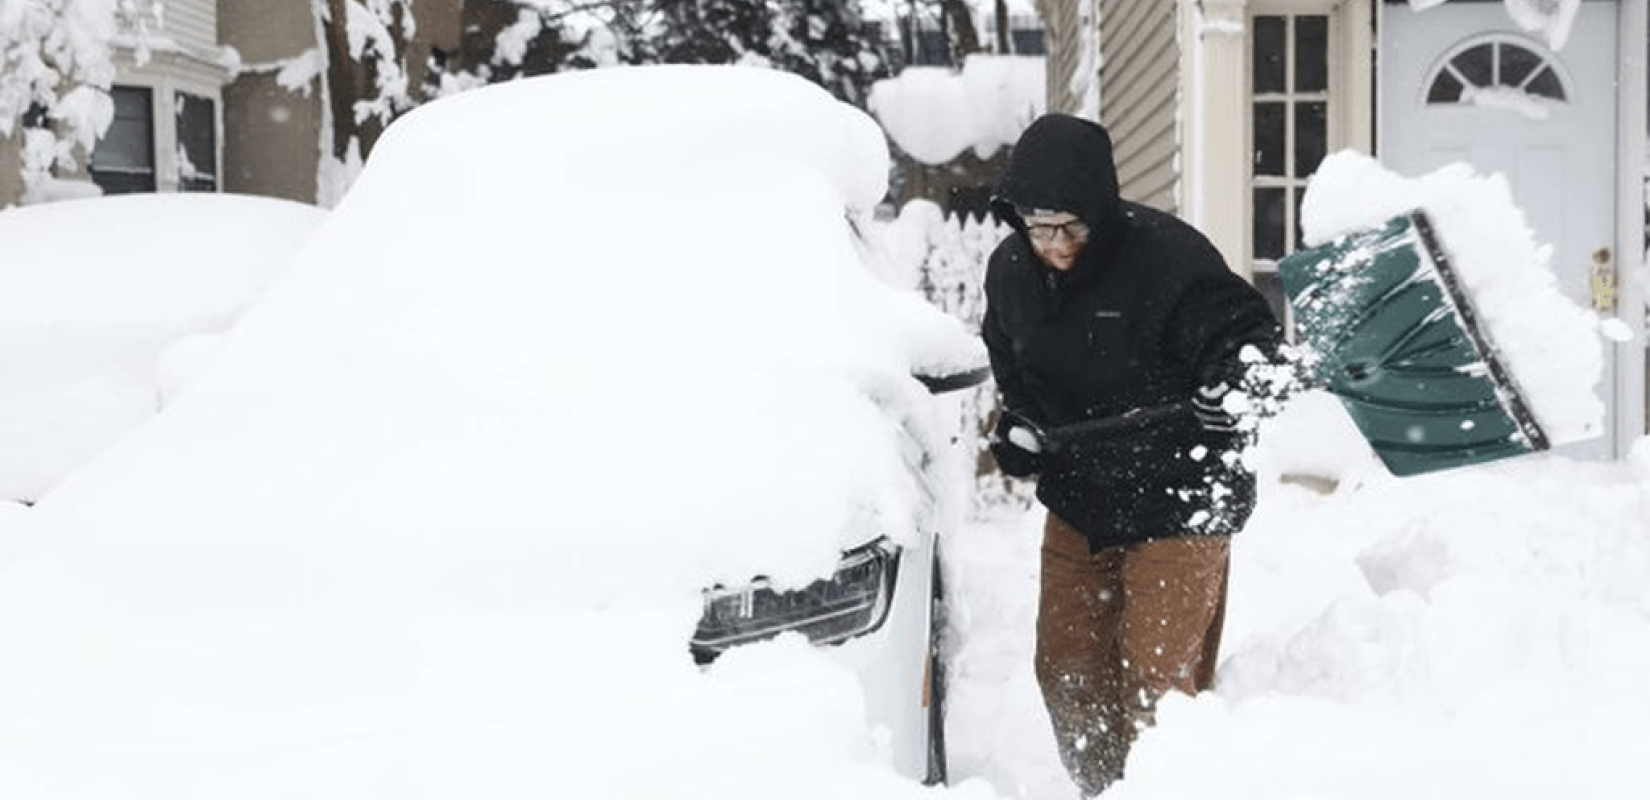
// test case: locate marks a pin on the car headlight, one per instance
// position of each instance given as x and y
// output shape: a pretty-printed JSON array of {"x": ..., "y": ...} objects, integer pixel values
[{"x": 852, "y": 602}]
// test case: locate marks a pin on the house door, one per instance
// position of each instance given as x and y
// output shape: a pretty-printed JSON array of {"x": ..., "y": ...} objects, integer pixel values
[{"x": 1461, "y": 82}]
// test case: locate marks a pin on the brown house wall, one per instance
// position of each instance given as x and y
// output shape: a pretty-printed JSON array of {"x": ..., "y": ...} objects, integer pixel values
[
  {"x": 263, "y": 31},
  {"x": 272, "y": 139},
  {"x": 272, "y": 134}
]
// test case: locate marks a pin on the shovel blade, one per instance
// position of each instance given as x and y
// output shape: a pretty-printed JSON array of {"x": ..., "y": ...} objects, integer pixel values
[{"x": 1399, "y": 342}]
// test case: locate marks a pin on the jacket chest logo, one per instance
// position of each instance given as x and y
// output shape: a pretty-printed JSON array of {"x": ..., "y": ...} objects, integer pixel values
[{"x": 1101, "y": 326}]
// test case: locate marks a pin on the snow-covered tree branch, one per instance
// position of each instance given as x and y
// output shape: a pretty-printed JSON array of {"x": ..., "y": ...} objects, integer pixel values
[{"x": 56, "y": 68}]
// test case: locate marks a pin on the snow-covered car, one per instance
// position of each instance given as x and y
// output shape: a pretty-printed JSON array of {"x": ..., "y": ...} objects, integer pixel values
[
  {"x": 100, "y": 300},
  {"x": 470, "y": 502}
]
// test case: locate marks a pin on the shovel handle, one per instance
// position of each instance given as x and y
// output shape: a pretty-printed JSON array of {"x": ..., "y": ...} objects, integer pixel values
[{"x": 1128, "y": 420}]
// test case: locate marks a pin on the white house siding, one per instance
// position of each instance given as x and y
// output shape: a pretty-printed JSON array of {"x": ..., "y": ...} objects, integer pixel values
[
  {"x": 192, "y": 24},
  {"x": 1139, "y": 90}
]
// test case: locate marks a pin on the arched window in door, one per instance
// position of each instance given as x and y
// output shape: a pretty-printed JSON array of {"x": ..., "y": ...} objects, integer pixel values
[{"x": 1496, "y": 67}]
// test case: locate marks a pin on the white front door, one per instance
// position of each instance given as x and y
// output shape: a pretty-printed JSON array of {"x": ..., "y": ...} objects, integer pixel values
[{"x": 1461, "y": 82}]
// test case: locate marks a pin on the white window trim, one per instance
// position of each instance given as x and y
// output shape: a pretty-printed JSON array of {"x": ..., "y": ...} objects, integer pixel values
[
  {"x": 1216, "y": 103},
  {"x": 165, "y": 76}
]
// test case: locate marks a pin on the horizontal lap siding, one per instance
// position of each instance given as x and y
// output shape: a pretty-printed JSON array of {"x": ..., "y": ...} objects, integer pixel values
[
  {"x": 1139, "y": 87},
  {"x": 1060, "y": 29},
  {"x": 193, "y": 24}
]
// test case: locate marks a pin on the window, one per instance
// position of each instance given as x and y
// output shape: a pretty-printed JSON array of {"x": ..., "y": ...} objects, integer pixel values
[
  {"x": 124, "y": 160},
  {"x": 197, "y": 126},
  {"x": 1497, "y": 65},
  {"x": 933, "y": 48},
  {"x": 1289, "y": 134},
  {"x": 1028, "y": 41}
]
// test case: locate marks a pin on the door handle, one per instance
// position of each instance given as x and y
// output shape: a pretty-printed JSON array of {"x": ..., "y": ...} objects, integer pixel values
[{"x": 1605, "y": 289}]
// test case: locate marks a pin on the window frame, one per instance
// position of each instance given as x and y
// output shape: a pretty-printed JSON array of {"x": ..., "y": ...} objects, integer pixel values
[
  {"x": 1290, "y": 99},
  {"x": 126, "y": 180},
  {"x": 198, "y": 180},
  {"x": 1349, "y": 118},
  {"x": 1546, "y": 61}
]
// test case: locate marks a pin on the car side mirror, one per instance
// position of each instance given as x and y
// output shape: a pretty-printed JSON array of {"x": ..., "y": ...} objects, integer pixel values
[{"x": 944, "y": 382}]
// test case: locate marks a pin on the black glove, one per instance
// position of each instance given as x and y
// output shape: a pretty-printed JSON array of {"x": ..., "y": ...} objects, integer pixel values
[
  {"x": 1209, "y": 404},
  {"x": 1018, "y": 444}
]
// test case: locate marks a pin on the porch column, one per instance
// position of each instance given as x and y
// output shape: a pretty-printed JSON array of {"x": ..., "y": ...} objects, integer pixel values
[{"x": 1215, "y": 103}]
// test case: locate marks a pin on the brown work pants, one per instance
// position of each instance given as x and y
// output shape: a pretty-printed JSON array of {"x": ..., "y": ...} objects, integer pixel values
[{"x": 1118, "y": 629}]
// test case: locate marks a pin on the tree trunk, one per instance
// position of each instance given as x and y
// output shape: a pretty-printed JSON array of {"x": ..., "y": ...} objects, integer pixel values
[
  {"x": 1005, "y": 43},
  {"x": 341, "y": 92},
  {"x": 964, "y": 39}
]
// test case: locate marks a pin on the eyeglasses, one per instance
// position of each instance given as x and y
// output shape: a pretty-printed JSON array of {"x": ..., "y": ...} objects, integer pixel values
[{"x": 1075, "y": 230}]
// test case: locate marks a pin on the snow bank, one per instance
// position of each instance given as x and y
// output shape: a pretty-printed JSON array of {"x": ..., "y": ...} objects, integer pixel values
[
  {"x": 1551, "y": 345},
  {"x": 1415, "y": 638},
  {"x": 1476, "y": 632},
  {"x": 935, "y": 113},
  {"x": 92, "y": 292}
]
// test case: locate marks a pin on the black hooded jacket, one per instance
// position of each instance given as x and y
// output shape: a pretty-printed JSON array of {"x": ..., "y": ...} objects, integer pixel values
[{"x": 1146, "y": 314}]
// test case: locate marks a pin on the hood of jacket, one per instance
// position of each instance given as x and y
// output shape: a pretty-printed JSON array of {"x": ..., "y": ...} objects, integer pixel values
[{"x": 1063, "y": 163}]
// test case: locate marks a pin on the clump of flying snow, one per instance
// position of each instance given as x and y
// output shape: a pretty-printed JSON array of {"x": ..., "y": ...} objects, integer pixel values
[{"x": 1551, "y": 345}]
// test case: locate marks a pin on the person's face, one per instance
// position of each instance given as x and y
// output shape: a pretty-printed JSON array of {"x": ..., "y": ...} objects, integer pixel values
[{"x": 1057, "y": 238}]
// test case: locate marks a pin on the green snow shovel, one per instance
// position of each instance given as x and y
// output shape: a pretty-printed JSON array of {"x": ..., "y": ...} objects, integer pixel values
[{"x": 1399, "y": 343}]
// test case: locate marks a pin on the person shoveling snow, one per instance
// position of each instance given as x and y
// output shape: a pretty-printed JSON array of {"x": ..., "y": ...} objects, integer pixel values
[
  {"x": 1084, "y": 324},
  {"x": 1098, "y": 307}
]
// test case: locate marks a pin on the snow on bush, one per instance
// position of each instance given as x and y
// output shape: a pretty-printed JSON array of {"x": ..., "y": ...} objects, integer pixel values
[{"x": 935, "y": 113}]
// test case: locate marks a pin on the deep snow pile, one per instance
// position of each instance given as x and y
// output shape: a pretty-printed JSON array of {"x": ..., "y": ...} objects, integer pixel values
[
  {"x": 1482, "y": 632},
  {"x": 94, "y": 294}
]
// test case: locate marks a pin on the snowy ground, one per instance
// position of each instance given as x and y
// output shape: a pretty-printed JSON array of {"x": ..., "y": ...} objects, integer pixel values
[
  {"x": 1477, "y": 633},
  {"x": 1482, "y": 632}
]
